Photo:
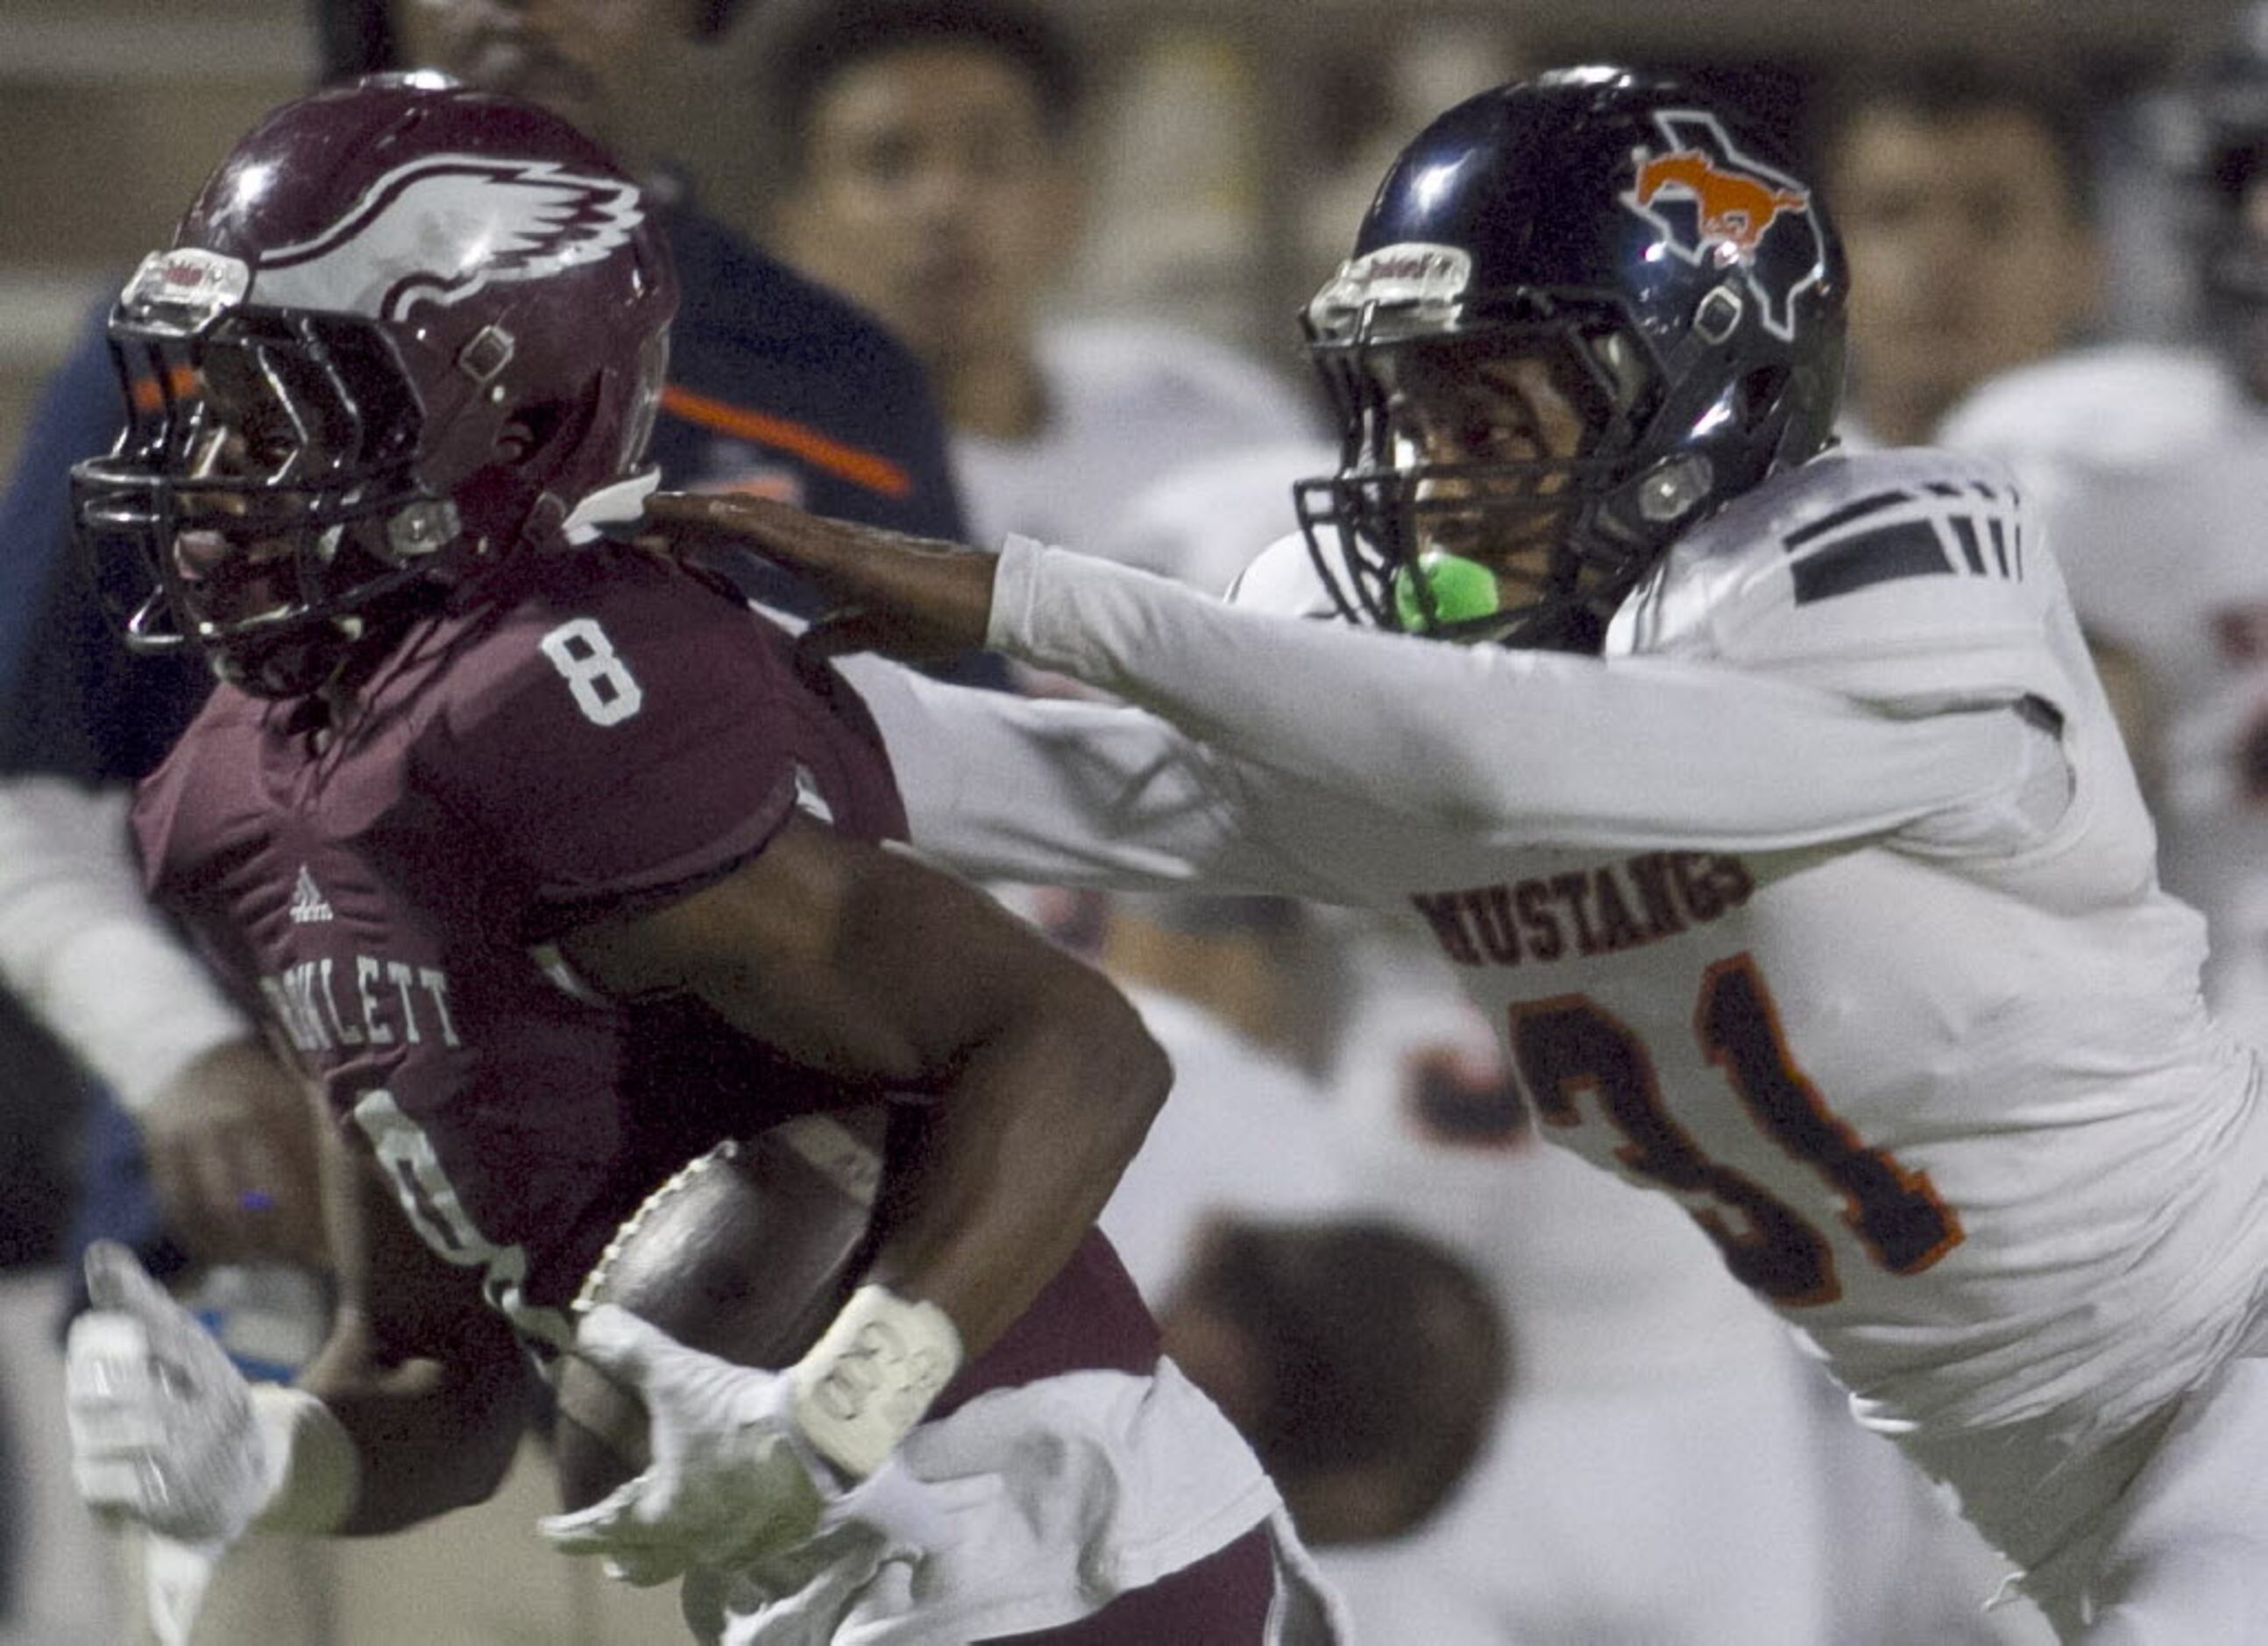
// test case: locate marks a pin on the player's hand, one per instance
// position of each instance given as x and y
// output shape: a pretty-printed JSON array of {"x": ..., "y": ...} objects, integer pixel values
[
  {"x": 162, "y": 1428},
  {"x": 915, "y": 598},
  {"x": 733, "y": 1478},
  {"x": 231, "y": 1145}
]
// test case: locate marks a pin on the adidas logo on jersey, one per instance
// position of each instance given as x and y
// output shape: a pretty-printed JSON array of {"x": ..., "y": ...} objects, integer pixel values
[{"x": 308, "y": 903}]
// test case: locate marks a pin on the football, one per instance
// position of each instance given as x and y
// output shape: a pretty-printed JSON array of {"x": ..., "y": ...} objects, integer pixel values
[{"x": 746, "y": 1253}]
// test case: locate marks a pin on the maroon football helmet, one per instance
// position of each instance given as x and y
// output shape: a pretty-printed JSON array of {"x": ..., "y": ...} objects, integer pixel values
[{"x": 407, "y": 329}]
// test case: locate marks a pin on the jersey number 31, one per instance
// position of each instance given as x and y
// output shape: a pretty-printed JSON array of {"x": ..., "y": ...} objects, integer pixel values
[{"x": 1568, "y": 1045}]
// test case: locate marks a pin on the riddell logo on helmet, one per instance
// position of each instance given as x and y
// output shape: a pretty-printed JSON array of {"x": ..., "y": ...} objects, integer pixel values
[
  {"x": 187, "y": 278},
  {"x": 1410, "y": 274},
  {"x": 1710, "y": 203},
  {"x": 1412, "y": 264}
]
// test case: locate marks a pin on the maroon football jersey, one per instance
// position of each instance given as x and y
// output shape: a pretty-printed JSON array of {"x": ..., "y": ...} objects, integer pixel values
[{"x": 602, "y": 730}]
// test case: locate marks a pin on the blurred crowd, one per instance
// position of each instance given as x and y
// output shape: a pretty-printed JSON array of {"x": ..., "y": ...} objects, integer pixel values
[{"x": 1056, "y": 231}]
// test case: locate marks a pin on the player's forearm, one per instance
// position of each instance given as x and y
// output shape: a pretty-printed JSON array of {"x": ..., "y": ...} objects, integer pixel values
[
  {"x": 1511, "y": 748},
  {"x": 82, "y": 948},
  {"x": 427, "y": 1382},
  {"x": 1022, "y": 1155},
  {"x": 1014, "y": 1167},
  {"x": 1061, "y": 794},
  {"x": 427, "y": 1438}
]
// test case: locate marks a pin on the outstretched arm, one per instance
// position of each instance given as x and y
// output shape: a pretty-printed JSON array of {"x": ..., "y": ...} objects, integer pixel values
[
  {"x": 1056, "y": 793},
  {"x": 1507, "y": 747}
]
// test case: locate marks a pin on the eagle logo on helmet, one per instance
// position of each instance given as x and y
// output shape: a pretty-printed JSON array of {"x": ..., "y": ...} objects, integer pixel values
[
  {"x": 441, "y": 228},
  {"x": 1712, "y": 203}
]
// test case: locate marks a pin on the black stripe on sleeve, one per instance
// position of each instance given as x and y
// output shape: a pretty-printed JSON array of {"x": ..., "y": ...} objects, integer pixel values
[
  {"x": 1971, "y": 549},
  {"x": 1844, "y": 516},
  {"x": 1907, "y": 549}
]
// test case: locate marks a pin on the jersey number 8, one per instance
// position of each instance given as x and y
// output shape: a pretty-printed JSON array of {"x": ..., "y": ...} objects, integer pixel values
[{"x": 601, "y": 683}]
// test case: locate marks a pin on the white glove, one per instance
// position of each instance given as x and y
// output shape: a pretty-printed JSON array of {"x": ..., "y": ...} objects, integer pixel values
[
  {"x": 162, "y": 1425},
  {"x": 732, "y": 1479}
]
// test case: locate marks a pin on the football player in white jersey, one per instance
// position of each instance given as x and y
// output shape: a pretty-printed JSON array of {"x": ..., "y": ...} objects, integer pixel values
[
  {"x": 2149, "y": 464},
  {"x": 1658, "y": 1411},
  {"x": 1763, "y": 797}
]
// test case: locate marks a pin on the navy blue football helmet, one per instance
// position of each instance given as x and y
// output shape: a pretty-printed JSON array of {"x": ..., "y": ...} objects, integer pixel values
[{"x": 1672, "y": 287}]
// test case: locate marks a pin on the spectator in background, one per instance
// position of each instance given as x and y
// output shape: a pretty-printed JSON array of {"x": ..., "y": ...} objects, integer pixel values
[
  {"x": 1366, "y": 1363},
  {"x": 932, "y": 171},
  {"x": 2151, "y": 463},
  {"x": 775, "y": 385},
  {"x": 1964, "y": 192}
]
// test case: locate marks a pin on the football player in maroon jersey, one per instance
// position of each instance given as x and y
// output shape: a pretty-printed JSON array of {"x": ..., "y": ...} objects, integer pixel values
[{"x": 552, "y": 868}]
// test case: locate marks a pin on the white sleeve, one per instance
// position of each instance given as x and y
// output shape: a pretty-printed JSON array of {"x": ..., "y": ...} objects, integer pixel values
[
  {"x": 1508, "y": 746},
  {"x": 84, "y": 951},
  {"x": 1056, "y": 792}
]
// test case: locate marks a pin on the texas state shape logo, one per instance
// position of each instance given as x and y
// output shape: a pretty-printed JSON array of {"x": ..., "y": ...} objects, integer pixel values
[{"x": 1712, "y": 204}]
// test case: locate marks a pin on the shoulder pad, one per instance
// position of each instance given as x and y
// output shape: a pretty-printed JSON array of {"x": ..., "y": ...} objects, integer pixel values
[
  {"x": 2123, "y": 408},
  {"x": 1282, "y": 578},
  {"x": 560, "y": 619},
  {"x": 1911, "y": 578},
  {"x": 586, "y": 696}
]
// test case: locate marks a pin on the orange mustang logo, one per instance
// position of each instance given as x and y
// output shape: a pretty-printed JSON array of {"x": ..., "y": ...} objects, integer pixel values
[{"x": 1734, "y": 207}]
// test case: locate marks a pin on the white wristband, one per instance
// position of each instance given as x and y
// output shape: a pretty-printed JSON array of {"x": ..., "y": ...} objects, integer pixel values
[
  {"x": 312, "y": 1458},
  {"x": 872, "y": 1375}
]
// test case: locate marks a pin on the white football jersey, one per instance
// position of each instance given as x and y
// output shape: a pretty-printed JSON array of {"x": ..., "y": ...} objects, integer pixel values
[
  {"x": 1606, "y": 1290},
  {"x": 1823, "y": 903},
  {"x": 2151, "y": 472}
]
